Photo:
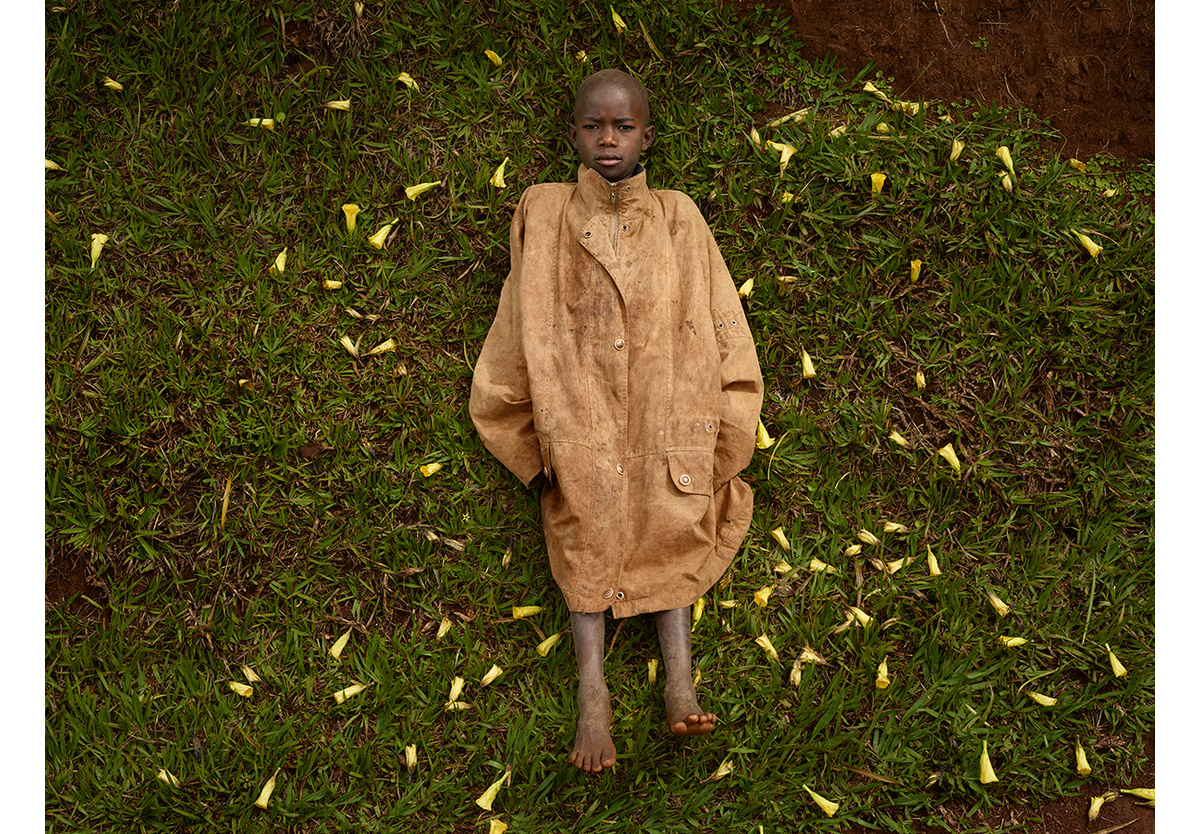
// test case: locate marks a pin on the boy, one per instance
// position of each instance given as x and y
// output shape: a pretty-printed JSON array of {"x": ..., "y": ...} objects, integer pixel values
[{"x": 620, "y": 370}]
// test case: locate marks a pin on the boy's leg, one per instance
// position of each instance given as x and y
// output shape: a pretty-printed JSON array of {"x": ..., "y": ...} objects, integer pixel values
[
  {"x": 684, "y": 715},
  {"x": 594, "y": 748}
]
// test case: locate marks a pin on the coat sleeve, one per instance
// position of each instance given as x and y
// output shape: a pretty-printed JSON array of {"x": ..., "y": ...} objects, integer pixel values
[
  {"x": 500, "y": 406},
  {"x": 741, "y": 377}
]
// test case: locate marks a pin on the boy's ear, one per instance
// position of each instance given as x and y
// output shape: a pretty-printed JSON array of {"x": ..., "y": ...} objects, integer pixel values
[
  {"x": 647, "y": 138},
  {"x": 571, "y": 134}
]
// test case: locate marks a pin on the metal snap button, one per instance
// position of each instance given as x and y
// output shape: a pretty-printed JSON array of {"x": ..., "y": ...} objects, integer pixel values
[
  {"x": 629, "y": 188},
  {"x": 608, "y": 593},
  {"x": 619, "y": 344},
  {"x": 685, "y": 479},
  {"x": 620, "y": 595},
  {"x": 620, "y": 469},
  {"x": 720, "y": 325},
  {"x": 733, "y": 322},
  {"x": 587, "y": 234},
  {"x": 624, "y": 228},
  {"x": 708, "y": 427}
]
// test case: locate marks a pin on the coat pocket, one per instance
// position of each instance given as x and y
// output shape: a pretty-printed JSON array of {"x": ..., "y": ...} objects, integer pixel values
[{"x": 691, "y": 471}]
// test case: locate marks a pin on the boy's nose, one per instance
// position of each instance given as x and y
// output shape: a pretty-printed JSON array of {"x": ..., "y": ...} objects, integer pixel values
[{"x": 608, "y": 138}]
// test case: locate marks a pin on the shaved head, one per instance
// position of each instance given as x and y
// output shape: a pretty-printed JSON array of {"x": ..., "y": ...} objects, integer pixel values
[{"x": 615, "y": 78}]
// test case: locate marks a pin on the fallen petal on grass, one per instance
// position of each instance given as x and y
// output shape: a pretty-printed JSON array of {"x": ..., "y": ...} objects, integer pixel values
[
  {"x": 242, "y": 689},
  {"x": 986, "y": 774},
  {"x": 489, "y": 796},
  {"x": 335, "y": 651},
  {"x": 830, "y": 808},
  {"x": 349, "y": 692},
  {"x": 764, "y": 642},
  {"x": 264, "y": 796},
  {"x": 544, "y": 647}
]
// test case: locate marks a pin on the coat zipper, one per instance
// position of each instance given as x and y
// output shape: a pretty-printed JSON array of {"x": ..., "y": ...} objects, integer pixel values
[{"x": 613, "y": 195}]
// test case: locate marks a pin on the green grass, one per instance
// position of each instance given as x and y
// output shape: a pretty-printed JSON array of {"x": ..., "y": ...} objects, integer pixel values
[{"x": 181, "y": 364}]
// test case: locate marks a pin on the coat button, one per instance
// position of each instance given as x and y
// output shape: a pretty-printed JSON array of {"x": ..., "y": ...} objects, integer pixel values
[
  {"x": 587, "y": 234},
  {"x": 620, "y": 469},
  {"x": 619, "y": 344},
  {"x": 708, "y": 427},
  {"x": 608, "y": 593},
  {"x": 624, "y": 228},
  {"x": 685, "y": 479},
  {"x": 620, "y": 595}
]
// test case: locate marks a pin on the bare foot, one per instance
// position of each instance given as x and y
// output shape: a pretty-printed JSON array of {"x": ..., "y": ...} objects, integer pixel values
[
  {"x": 683, "y": 712},
  {"x": 594, "y": 750}
]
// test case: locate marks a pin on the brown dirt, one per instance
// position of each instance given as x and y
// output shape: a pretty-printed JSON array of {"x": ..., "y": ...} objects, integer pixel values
[{"x": 1085, "y": 65}]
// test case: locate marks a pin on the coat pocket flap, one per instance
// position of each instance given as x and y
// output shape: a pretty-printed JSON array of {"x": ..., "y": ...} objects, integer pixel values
[{"x": 691, "y": 471}]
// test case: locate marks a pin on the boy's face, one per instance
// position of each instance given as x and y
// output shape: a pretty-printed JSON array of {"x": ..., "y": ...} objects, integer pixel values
[{"x": 610, "y": 131}]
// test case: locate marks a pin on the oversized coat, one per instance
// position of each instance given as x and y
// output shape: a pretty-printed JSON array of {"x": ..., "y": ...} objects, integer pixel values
[{"x": 621, "y": 367}]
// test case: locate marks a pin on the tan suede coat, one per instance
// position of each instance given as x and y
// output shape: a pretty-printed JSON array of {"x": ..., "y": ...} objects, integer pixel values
[{"x": 620, "y": 365}]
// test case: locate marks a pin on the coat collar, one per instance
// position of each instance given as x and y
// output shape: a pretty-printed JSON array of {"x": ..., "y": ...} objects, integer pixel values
[{"x": 632, "y": 195}]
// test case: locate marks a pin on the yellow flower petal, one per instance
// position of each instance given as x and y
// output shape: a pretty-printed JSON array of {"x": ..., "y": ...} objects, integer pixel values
[
  {"x": 456, "y": 688},
  {"x": 894, "y": 527},
  {"x": 840, "y": 130},
  {"x": 489, "y": 796},
  {"x": 1077, "y": 165},
  {"x": 98, "y": 241},
  {"x": 581, "y": 57},
  {"x": 1094, "y": 249},
  {"x": 815, "y": 565},
  {"x": 998, "y": 604},
  {"x": 765, "y": 643},
  {"x": 493, "y": 57},
  {"x": 782, "y": 567},
  {"x": 697, "y": 612},
  {"x": 852, "y": 551},
  {"x": 1003, "y": 153},
  {"x": 1011, "y": 642},
  {"x": 898, "y": 439},
  {"x": 934, "y": 569},
  {"x": 746, "y": 288},
  {"x": 1081, "y": 763},
  {"x": 520, "y": 612},
  {"x": 349, "y": 692},
  {"x": 51, "y": 165},
  {"x": 947, "y": 452},
  {"x": 280, "y": 264},
  {"x": 1006, "y": 181},
  {"x": 956, "y": 149},
  {"x": 498, "y": 177},
  {"x": 115, "y": 86},
  {"x": 755, "y": 139},
  {"x": 785, "y": 154},
  {"x": 830, "y": 808},
  {"x": 410, "y": 757},
  {"x": 761, "y": 439},
  {"x": 443, "y": 627},
  {"x": 497, "y": 827},
  {"x": 898, "y": 564},
  {"x": 778, "y": 535},
  {"x": 652, "y": 670},
  {"x": 882, "y": 681},
  {"x": 875, "y": 91},
  {"x": 351, "y": 211},
  {"x": 806, "y": 365},
  {"x": 617, "y": 21},
  {"x": 861, "y": 617},
  {"x": 1118, "y": 670},
  {"x": 883, "y": 127},
  {"x": 919, "y": 379},
  {"x": 727, "y": 603},
  {"x": 914, "y": 270},
  {"x": 379, "y": 237},
  {"x": 544, "y": 647},
  {"x": 1108, "y": 192},
  {"x": 264, "y": 796},
  {"x": 867, "y": 537},
  {"x": 269, "y": 124},
  {"x": 430, "y": 469},
  {"x": 415, "y": 191},
  {"x": 763, "y": 594},
  {"x": 249, "y": 675},
  {"x": 242, "y": 689},
  {"x": 335, "y": 650},
  {"x": 725, "y": 768},
  {"x": 1140, "y": 793},
  {"x": 1044, "y": 700},
  {"x": 1097, "y": 802},
  {"x": 382, "y": 347},
  {"x": 166, "y": 776},
  {"x": 877, "y": 181},
  {"x": 331, "y": 284},
  {"x": 407, "y": 80},
  {"x": 340, "y": 104},
  {"x": 986, "y": 774}
]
